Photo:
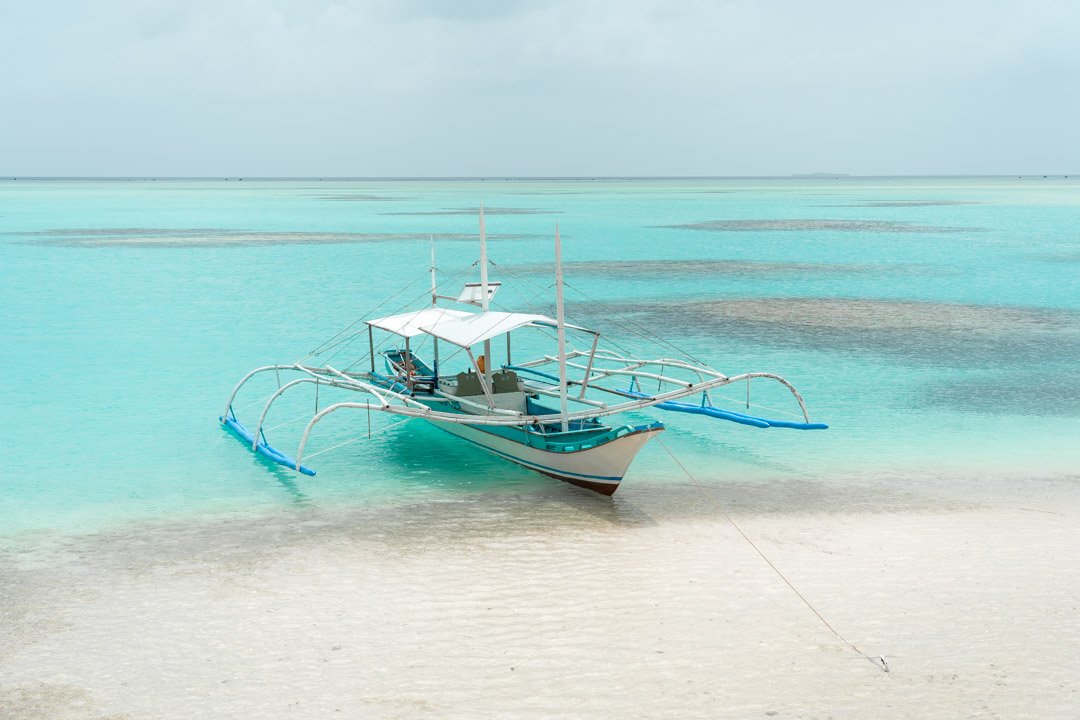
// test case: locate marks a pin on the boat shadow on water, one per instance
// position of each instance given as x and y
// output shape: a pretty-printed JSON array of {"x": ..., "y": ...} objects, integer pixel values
[
  {"x": 423, "y": 464},
  {"x": 429, "y": 471},
  {"x": 285, "y": 478}
]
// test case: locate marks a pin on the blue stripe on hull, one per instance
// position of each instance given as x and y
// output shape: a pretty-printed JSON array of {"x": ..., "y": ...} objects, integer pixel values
[
  {"x": 607, "y": 480},
  {"x": 537, "y": 466}
]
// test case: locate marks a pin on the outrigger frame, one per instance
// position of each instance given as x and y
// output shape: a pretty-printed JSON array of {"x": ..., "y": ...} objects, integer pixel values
[{"x": 396, "y": 399}]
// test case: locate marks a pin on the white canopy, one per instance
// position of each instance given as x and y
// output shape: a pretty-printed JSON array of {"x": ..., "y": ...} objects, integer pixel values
[
  {"x": 472, "y": 328},
  {"x": 410, "y": 324}
]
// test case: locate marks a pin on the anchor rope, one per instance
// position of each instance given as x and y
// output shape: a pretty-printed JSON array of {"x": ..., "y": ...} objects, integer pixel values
[{"x": 878, "y": 662}]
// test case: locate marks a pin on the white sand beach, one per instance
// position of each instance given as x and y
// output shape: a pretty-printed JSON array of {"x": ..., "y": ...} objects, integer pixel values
[{"x": 567, "y": 605}]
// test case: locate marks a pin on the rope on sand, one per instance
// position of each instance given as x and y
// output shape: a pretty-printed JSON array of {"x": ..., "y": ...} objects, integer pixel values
[{"x": 878, "y": 662}]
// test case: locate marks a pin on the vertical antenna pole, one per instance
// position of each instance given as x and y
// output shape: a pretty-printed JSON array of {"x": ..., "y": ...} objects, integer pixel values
[
  {"x": 484, "y": 293},
  {"x": 483, "y": 263},
  {"x": 560, "y": 317}
]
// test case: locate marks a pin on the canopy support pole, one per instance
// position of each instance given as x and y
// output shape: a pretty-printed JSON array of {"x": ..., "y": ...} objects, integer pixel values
[
  {"x": 588, "y": 368},
  {"x": 483, "y": 381}
]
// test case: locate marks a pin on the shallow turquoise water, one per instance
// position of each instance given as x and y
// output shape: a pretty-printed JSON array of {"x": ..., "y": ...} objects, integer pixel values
[{"x": 935, "y": 324}]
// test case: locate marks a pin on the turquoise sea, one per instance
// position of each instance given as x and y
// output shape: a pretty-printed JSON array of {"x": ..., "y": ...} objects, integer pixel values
[{"x": 933, "y": 323}]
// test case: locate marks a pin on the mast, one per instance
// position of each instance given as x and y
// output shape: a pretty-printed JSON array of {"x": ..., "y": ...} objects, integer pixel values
[
  {"x": 434, "y": 302},
  {"x": 484, "y": 293},
  {"x": 560, "y": 317}
]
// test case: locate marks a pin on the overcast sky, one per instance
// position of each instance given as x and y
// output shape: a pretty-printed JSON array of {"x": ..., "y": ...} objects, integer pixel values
[{"x": 538, "y": 87}]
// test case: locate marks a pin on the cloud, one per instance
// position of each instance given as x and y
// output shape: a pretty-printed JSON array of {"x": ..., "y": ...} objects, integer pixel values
[{"x": 421, "y": 87}]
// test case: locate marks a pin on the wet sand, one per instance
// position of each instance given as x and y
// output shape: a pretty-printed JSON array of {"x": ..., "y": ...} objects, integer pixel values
[{"x": 562, "y": 605}]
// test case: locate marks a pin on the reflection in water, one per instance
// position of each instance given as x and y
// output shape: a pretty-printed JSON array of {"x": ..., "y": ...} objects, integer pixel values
[{"x": 287, "y": 480}]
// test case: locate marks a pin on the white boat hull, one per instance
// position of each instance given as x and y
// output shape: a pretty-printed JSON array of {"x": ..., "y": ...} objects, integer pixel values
[{"x": 599, "y": 468}]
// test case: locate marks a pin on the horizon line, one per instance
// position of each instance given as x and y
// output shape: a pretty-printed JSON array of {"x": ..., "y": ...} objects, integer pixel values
[{"x": 505, "y": 178}]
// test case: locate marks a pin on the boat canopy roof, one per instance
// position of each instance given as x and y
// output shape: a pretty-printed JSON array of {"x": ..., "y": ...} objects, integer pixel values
[
  {"x": 477, "y": 327},
  {"x": 410, "y": 324}
]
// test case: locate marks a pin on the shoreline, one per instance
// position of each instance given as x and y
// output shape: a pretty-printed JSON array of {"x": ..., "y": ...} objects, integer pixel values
[
  {"x": 523, "y": 607},
  {"x": 669, "y": 494}
]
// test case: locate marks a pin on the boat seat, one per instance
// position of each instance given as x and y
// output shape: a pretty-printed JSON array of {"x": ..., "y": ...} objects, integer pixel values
[
  {"x": 505, "y": 381},
  {"x": 468, "y": 384}
]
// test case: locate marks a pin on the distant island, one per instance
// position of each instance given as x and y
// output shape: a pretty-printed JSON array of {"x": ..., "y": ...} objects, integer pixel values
[{"x": 820, "y": 175}]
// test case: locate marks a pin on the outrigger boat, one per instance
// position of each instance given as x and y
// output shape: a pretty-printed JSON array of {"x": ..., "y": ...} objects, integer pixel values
[{"x": 502, "y": 410}]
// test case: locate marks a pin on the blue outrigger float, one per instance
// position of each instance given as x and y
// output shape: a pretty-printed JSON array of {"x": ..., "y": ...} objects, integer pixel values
[{"x": 502, "y": 410}]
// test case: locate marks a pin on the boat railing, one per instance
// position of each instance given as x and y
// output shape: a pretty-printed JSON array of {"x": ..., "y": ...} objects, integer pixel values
[{"x": 553, "y": 443}]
